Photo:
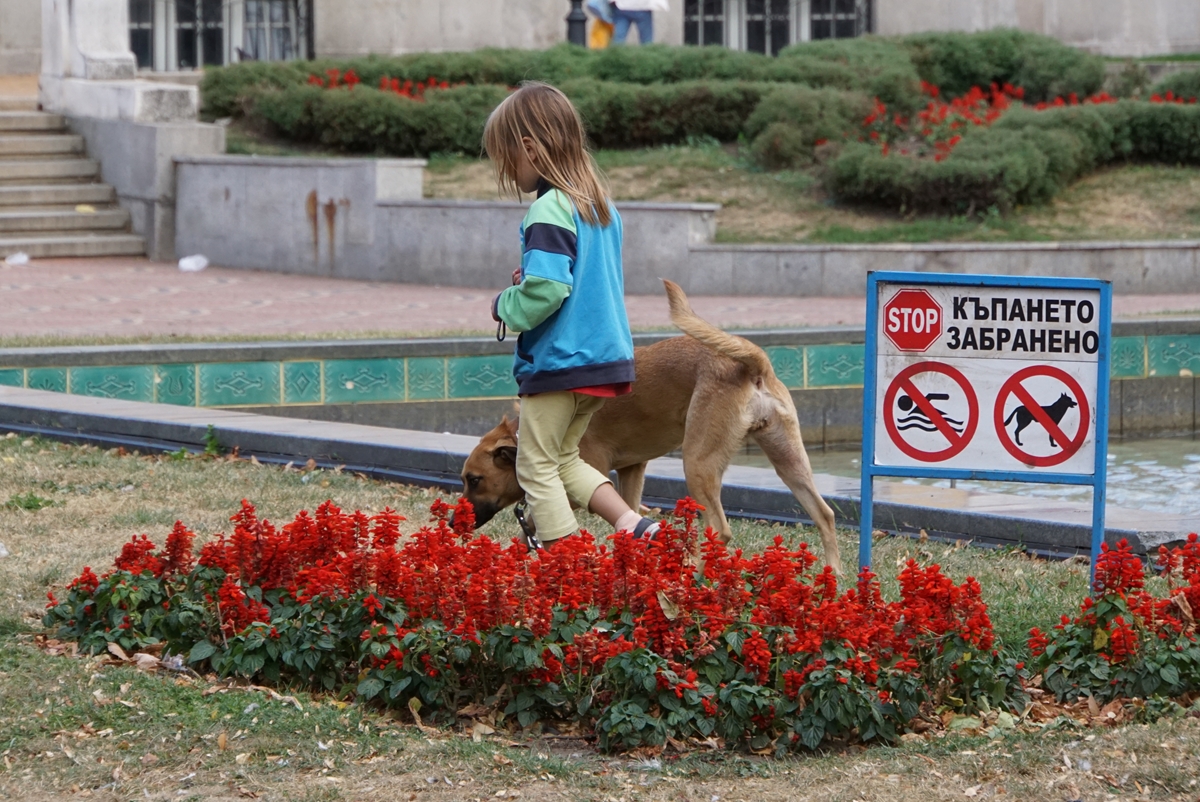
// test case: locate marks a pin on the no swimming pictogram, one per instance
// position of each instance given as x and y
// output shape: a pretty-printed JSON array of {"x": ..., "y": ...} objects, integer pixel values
[
  {"x": 911, "y": 412},
  {"x": 1049, "y": 416}
]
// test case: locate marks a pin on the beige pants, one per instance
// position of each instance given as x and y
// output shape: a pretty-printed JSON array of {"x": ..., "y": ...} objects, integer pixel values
[{"x": 548, "y": 464}]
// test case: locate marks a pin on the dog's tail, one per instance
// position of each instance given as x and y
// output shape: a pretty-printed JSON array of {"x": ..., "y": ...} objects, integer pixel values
[{"x": 696, "y": 327}]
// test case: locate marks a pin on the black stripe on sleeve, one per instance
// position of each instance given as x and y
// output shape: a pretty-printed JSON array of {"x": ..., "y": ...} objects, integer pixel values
[{"x": 550, "y": 238}]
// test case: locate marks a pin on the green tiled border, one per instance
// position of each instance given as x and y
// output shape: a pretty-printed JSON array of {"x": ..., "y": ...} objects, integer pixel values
[
  {"x": 52, "y": 379},
  {"x": 1173, "y": 355},
  {"x": 132, "y": 383},
  {"x": 436, "y": 378},
  {"x": 302, "y": 383},
  {"x": 834, "y": 365},
  {"x": 240, "y": 384},
  {"x": 355, "y": 381},
  {"x": 480, "y": 377}
]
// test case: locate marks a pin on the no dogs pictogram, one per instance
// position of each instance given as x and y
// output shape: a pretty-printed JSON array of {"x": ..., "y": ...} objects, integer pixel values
[
  {"x": 1049, "y": 416},
  {"x": 910, "y": 412}
]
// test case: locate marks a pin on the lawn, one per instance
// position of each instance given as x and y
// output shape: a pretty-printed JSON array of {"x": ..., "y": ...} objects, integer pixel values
[
  {"x": 1131, "y": 202},
  {"x": 75, "y": 726}
]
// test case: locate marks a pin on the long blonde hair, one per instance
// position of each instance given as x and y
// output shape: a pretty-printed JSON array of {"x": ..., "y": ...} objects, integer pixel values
[{"x": 545, "y": 115}]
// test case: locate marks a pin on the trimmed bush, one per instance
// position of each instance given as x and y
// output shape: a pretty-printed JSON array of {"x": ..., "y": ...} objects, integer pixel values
[
  {"x": 789, "y": 122},
  {"x": 620, "y": 115},
  {"x": 366, "y": 120},
  {"x": 1183, "y": 84},
  {"x": 1043, "y": 66},
  {"x": 1025, "y": 157},
  {"x": 369, "y": 121}
]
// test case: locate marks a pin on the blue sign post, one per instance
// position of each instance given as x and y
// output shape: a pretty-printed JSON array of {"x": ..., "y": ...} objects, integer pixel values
[{"x": 986, "y": 377}]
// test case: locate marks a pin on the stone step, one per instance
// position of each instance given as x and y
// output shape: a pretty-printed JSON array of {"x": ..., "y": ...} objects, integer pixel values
[
  {"x": 16, "y": 223},
  {"x": 13, "y": 103},
  {"x": 25, "y": 146},
  {"x": 31, "y": 121},
  {"x": 55, "y": 195},
  {"x": 45, "y": 246},
  {"x": 49, "y": 170}
]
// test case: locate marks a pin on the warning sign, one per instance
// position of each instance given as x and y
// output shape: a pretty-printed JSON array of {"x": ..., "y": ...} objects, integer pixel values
[
  {"x": 1028, "y": 354},
  {"x": 931, "y": 411}
]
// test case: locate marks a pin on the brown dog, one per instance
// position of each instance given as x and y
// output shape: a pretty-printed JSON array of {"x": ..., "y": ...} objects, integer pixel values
[{"x": 706, "y": 392}]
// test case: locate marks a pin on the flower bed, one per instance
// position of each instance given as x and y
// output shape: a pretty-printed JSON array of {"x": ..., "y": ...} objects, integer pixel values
[{"x": 762, "y": 650}]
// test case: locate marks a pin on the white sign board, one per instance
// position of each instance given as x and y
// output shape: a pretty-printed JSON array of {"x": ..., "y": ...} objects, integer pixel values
[{"x": 987, "y": 378}]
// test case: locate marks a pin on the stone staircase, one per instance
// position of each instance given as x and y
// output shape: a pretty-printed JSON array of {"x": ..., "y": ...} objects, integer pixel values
[{"x": 51, "y": 200}]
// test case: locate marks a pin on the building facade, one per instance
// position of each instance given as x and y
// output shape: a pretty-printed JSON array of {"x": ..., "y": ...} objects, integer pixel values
[{"x": 181, "y": 35}]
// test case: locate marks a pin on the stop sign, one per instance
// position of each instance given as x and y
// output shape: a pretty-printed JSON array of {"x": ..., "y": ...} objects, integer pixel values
[{"x": 912, "y": 320}]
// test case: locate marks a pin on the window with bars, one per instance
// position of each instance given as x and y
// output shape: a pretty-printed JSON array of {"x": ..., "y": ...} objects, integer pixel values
[
  {"x": 272, "y": 31},
  {"x": 768, "y": 25},
  {"x": 840, "y": 19},
  {"x": 141, "y": 32},
  {"x": 199, "y": 33},
  {"x": 704, "y": 22}
]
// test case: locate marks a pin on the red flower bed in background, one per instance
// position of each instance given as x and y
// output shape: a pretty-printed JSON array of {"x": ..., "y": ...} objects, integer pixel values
[{"x": 757, "y": 649}]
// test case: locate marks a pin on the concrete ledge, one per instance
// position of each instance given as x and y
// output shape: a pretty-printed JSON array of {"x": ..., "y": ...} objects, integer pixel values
[{"x": 436, "y": 460}]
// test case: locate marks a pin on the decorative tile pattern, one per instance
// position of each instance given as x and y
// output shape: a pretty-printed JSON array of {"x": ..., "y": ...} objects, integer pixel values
[
  {"x": 354, "y": 381},
  {"x": 481, "y": 377},
  {"x": 175, "y": 384},
  {"x": 834, "y": 365},
  {"x": 426, "y": 378},
  {"x": 12, "y": 377},
  {"x": 788, "y": 362},
  {"x": 237, "y": 384},
  {"x": 1174, "y": 355},
  {"x": 301, "y": 382},
  {"x": 52, "y": 379},
  {"x": 1128, "y": 360},
  {"x": 129, "y": 383}
]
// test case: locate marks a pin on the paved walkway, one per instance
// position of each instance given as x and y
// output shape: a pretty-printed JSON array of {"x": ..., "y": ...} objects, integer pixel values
[{"x": 124, "y": 297}]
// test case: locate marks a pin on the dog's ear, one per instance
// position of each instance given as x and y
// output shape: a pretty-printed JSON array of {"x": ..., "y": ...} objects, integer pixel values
[{"x": 505, "y": 455}]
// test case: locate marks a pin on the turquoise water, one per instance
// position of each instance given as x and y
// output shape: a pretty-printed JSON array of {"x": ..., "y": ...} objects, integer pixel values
[{"x": 1160, "y": 475}]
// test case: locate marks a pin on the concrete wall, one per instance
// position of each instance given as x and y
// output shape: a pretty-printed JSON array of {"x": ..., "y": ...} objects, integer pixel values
[
  {"x": 20, "y": 37},
  {"x": 406, "y": 26},
  {"x": 137, "y": 159},
  {"x": 335, "y": 218},
  {"x": 1109, "y": 27},
  {"x": 347, "y": 218}
]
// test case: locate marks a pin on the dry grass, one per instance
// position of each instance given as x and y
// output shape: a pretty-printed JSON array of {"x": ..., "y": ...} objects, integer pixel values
[
  {"x": 1131, "y": 202},
  {"x": 164, "y": 734}
]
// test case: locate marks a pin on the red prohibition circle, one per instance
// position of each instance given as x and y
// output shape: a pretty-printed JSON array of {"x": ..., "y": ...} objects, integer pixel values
[
  {"x": 1070, "y": 446},
  {"x": 957, "y": 441}
]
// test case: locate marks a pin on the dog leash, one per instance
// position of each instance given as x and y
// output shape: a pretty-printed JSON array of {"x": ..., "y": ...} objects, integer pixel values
[{"x": 531, "y": 540}]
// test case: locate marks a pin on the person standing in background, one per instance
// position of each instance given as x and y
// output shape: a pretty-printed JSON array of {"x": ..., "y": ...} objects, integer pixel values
[
  {"x": 602, "y": 24},
  {"x": 635, "y": 12}
]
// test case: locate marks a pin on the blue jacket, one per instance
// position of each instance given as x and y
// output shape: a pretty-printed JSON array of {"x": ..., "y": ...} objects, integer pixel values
[{"x": 570, "y": 304}]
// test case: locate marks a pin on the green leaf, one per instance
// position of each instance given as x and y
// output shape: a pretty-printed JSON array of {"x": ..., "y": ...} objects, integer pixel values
[
  {"x": 370, "y": 687},
  {"x": 201, "y": 651},
  {"x": 1170, "y": 675}
]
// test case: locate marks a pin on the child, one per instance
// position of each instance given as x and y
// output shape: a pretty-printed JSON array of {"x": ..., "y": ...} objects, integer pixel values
[{"x": 567, "y": 300}]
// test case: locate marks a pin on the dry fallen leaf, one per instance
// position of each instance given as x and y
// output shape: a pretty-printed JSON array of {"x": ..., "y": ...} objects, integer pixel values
[
  {"x": 242, "y": 759},
  {"x": 501, "y": 759},
  {"x": 222, "y": 741},
  {"x": 669, "y": 608},
  {"x": 972, "y": 791},
  {"x": 116, "y": 651}
]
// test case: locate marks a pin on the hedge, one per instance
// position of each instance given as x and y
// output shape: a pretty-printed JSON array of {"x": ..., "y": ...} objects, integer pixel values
[
  {"x": 1042, "y": 65},
  {"x": 888, "y": 68},
  {"x": 1183, "y": 84},
  {"x": 366, "y": 120},
  {"x": 1025, "y": 157},
  {"x": 787, "y": 123}
]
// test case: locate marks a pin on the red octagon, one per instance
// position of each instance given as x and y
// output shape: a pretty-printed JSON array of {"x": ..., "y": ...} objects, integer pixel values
[{"x": 912, "y": 320}]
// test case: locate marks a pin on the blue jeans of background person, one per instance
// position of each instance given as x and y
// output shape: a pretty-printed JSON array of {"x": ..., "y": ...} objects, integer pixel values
[{"x": 623, "y": 19}]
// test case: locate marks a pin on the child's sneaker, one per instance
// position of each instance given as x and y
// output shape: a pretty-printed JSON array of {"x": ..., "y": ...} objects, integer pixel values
[{"x": 646, "y": 529}]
